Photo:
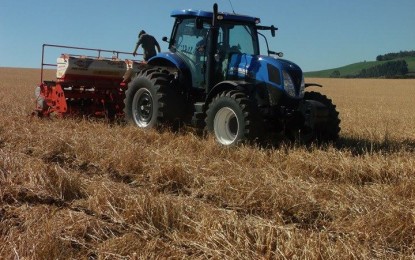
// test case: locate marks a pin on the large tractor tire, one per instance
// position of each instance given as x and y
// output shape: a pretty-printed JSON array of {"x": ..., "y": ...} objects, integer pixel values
[
  {"x": 320, "y": 127},
  {"x": 233, "y": 118},
  {"x": 150, "y": 101}
]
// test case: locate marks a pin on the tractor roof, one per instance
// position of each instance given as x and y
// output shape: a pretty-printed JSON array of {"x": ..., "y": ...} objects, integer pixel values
[{"x": 205, "y": 14}]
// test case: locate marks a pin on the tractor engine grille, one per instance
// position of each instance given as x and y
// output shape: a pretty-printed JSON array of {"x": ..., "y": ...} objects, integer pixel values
[{"x": 296, "y": 76}]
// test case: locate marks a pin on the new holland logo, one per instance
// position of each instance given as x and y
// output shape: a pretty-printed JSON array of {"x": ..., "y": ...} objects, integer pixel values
[{"x": 243, "y": 71}]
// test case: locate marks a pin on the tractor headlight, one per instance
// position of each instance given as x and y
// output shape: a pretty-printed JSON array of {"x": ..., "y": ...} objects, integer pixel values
[{"x": 288, "y": 84}]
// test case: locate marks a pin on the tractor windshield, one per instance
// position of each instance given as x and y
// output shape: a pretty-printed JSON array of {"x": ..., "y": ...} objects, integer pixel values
[{"x": 239, "y": 38}]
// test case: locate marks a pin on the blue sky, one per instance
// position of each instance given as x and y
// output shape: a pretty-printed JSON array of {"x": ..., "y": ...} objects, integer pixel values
[{"x": 317, "y": 34}]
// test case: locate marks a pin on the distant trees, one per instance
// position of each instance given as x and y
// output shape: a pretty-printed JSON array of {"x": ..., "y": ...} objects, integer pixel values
[
  {"x": 335, "y": 74},
  {"x": 388, "y": 69},
  {"x": 390, "y": 65},
  {"x": 395, "y": 55}
]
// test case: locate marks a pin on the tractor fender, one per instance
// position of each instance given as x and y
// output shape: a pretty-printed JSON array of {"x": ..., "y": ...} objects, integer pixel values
[
  {"x": 229, "y": 85},
  {"x": 172, "y": 60},
  {"x": 312, "y": 84},
  {"x": 167, "y": 58}
]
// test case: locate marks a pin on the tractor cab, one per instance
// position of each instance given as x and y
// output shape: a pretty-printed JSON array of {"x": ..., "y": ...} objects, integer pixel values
[{"x": 194, "y": 39}]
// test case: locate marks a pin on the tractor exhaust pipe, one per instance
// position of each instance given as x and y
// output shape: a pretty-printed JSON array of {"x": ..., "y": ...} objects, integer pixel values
[{"x": 210, "y": 67}]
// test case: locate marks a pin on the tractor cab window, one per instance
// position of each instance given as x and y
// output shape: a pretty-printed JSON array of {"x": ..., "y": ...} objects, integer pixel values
[
  {"x": 238, "y": 38},
  {"x": 187, "y": 37},
  {"x": 243, "y": 39},
  {"x": 189, "y": 42}
]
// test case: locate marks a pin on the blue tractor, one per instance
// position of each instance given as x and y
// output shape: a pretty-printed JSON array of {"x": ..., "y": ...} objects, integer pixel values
[{"x": 215, "y": 78}]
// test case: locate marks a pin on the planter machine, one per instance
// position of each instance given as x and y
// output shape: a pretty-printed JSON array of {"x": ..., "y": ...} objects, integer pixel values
[{"x": 89, "y": 85}]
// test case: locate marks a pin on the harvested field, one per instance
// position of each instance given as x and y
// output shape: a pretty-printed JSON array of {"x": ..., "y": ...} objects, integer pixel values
[{"x": 80, "y": 188}]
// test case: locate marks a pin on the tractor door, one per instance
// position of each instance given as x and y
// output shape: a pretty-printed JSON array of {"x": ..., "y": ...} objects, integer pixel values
[
  {"x": 189, "y": 43},
  {"x": 235, "y": 39}
]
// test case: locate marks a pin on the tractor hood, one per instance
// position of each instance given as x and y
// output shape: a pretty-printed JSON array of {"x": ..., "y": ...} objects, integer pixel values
[
  {"x": 277, "y": 73},
  {"x": 281, "y": 63}
]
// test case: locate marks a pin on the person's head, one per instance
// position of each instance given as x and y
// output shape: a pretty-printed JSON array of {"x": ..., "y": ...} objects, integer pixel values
[{"x": 141, "y": 33}]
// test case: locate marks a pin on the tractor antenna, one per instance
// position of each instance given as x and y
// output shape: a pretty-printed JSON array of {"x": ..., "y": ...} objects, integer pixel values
[{"x": 230, "y": 2}]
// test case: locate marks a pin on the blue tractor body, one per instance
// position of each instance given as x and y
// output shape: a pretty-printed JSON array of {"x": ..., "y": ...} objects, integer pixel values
[
  {"x": 267, "y": 70},
  {"x": 215, "y": 77}
]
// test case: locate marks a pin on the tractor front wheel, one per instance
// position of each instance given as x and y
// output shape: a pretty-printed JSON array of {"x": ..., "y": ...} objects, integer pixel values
[
  {"x": 231, "y": 116},
  {"x": 327, "y": 131}
]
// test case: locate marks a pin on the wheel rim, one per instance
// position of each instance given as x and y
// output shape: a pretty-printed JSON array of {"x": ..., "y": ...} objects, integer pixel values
[
  {"x": 143, "y": 108},
  {"x": 226, "y": 126}
]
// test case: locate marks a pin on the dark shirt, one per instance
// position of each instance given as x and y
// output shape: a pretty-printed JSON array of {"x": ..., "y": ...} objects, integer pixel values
[{"x": 149, "y": 44}]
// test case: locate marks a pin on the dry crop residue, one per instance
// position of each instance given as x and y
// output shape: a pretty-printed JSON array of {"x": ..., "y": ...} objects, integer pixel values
[{"x": 78, "y": 188}]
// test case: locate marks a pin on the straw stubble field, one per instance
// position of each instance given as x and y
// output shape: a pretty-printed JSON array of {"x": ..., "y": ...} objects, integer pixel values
[{"x": 81, "y": 188}]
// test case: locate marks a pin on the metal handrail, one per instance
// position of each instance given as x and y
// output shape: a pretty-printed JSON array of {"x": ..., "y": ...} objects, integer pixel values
[{"x": 78, "y": 48}]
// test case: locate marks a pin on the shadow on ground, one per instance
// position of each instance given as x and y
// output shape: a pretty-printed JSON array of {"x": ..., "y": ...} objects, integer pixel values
[
  {"x": 362, "y": 146},
  {"x": 357, "y": 146}
]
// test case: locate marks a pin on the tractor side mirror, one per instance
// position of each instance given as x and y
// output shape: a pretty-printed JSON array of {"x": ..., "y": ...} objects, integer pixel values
[
  {"x": 273, "y": 30},
  {"x": 164, "y": 39}
]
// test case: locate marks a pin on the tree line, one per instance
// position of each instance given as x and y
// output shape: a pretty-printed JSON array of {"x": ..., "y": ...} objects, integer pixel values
[
  {"x": 390, "y": 69},
  {"x": 393, "y": 66},
  {"x": 395, "y": 55}
]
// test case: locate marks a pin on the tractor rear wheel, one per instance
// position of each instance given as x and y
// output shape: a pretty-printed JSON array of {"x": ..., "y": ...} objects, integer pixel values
[
  {"x": 233, "y": 118},
  {"x": 150, "y": 101}
]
